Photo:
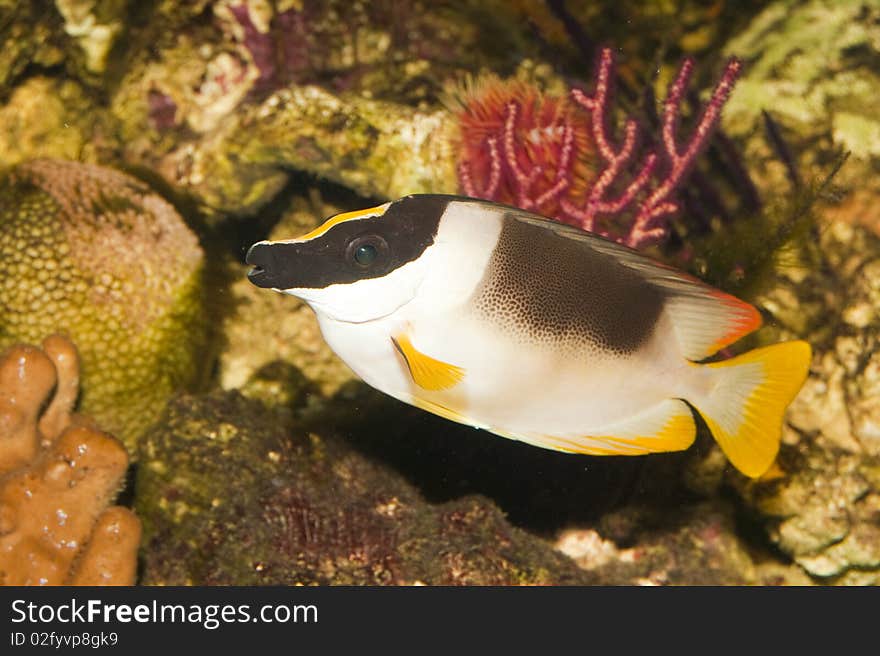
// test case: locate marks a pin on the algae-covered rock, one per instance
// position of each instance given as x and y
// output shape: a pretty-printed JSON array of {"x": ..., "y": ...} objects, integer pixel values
[
  {"x": 225, "y": 100},
  {"x": 233, "y": 493},
  {"x": 400, "y": 48},
  {"x": 822, "y": 507},
  {"x": 639, "y": 29},
  {"x": 697, "y": 544},
  {"x": 29, "y": 34},
  {"x": 376, "y": 148},
  {"x": 48, "y": 117},
  {"x": 812, "y": 65},
  {"x": 76, "y": 35},
  {"x": 94, "y": 25},
  {"x": 824, "y": 512},
  {"x": 624, "y": 520},
  {"x": 94, "y": 254}
]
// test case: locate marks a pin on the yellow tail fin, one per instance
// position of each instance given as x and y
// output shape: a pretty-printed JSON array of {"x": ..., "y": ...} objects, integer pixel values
[{"x": 745, "y": 409}]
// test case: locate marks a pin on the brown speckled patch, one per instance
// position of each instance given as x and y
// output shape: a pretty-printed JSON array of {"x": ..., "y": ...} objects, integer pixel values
[{"x": 542, "y": 287}]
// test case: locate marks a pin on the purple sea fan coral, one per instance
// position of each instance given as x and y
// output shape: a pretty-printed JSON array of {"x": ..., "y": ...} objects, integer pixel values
[{"x": 555, "y": 156}]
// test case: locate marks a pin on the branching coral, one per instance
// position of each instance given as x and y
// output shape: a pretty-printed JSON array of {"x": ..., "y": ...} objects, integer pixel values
[
  {"x": 542, "y": 154},
  {"x": 58, "y": 473}
]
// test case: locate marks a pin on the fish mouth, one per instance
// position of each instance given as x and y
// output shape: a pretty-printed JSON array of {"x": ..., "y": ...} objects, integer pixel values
[
  {"x": 263, "y": 258},
  {"x": 255, "y": 274}
]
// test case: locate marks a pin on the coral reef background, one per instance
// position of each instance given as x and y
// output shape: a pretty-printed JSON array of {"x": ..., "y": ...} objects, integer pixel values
[
  {"x": 144, "y": 146},
  {"x": 95, "y": 254}
]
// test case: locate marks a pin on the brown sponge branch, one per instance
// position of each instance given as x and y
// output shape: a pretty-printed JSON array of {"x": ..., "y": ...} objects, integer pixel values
[{"x": 58, "y": 475}]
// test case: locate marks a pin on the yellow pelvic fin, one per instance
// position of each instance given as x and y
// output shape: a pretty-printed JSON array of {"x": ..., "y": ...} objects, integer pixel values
[
  {"x": 746, "y": 408},
  {"x": 369, "y": 213},
  {"x": 427, "y": 372},
  {"x": 667, "y": 426}
]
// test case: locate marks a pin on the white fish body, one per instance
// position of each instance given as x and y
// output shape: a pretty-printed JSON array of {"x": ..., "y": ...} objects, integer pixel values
[{"x": 546, "y": 334}]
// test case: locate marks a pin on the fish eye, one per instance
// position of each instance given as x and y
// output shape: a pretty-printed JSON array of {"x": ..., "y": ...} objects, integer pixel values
[
  {"x": 366, "y": 251},
  {"x": 365, "y": 254}
]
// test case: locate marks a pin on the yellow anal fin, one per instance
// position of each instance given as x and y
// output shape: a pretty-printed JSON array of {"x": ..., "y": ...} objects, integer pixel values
[
  {"x": 746, "y": 408},
  {"x": 443, "y": 411},
  {"x": 667, "y": 426},
  {"x": 427, "y": 372}
]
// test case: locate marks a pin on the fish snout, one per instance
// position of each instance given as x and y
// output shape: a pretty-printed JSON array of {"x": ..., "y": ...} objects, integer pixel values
[{"x": 269, "y": 268}]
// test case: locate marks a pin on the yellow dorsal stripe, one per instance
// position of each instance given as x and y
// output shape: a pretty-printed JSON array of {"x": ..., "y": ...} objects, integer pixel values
[
  {"x": 427, "y": 372},
  {"x": 369, "y": 213}
]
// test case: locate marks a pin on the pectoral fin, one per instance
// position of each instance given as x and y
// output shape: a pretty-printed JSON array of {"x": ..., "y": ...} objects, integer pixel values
[{"x": 427, "y": 372}]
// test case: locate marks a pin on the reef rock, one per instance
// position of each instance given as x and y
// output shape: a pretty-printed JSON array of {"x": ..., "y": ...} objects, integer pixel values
[
  {"x": 233, "y": 493},
  {"x": 624, "y": 520},
  {"x": 224, "y": 100},
  {"x": 377, "y": 148},
  {"x": 29, "y": 34},
  {"x": 94, "y": 254},
  {"x": 812, "y": 65},
  {"x": 697, "y": 544},
  {"x": 823, "y": 506},
  {"x": 47, "y": 117},
  {"x": 94, "y": 25},
  {"x": 58, "y": 475}
]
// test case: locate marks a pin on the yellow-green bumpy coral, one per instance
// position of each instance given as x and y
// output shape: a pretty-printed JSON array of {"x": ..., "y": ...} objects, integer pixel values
[{"x": 93, "y": 253}]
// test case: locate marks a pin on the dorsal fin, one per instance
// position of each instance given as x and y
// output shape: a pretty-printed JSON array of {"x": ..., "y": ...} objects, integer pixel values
[{"x": 704, "y": 318}]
